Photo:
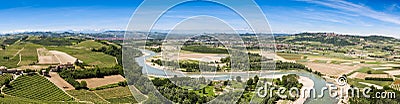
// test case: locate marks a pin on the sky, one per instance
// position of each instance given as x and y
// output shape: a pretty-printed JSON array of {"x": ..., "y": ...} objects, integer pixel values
[{"x": 358, "y": 17}]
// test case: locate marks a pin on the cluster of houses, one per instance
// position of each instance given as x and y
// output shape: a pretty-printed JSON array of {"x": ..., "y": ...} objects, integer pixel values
[
  {"x": 4, "y": 69},
  {"x": 57, "y": 68}
]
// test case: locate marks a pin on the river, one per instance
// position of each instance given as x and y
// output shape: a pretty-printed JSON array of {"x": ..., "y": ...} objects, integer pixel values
[{"x": 319, "y": 82}]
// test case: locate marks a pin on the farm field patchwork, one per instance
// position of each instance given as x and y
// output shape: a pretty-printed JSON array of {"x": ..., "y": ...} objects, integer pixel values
[
  {"x": 59, "y": 82},
  {"x": 117, "y": 95},
  {"x": 331, "y": 69},
  {"x": 10, "y": 57},
  {"x": 97, "y": 82},
  {"x": 87, "y": 56},
  {"x": 36, "y": 87},
  {"x": 90, "y": 44},
  {"x": 85, "y": 95}
]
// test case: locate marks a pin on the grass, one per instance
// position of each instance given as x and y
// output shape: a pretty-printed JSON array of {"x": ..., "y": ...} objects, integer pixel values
[
  {"x": 209, "y": 91},
  {"x": 17, "y": 100},
  {"x": 127, "y": 99},
  {"x": 87, "y": 56},
  {"x": 355, "y": 82},
  {"x": 10, "y": 52},
  {"x": 397, "y": 76},
  {"x": 373, "y": 62},
  {"x": 339, "y": 62},
  {"x": 320, "y": 61},
  {"x": 205, "y": 49},
  {"x": 36, "y": 87},
  {"x": 289, "y": 56},
  {"x": 116, "y": 95},
  {"x": 85, "y": 95},
  {"x": 90, "y": 44},
  {"x": 28, "y": 54},
  {"x": 366, "y": 69}
]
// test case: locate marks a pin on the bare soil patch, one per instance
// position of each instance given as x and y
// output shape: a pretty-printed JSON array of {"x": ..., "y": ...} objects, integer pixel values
[
  {"x": 393, "y": 72},
  {"x": 63, "y": 57},
  {"x": 59, "y": 82},
  {"x": 45, "y": 57},
  {"x": 331, "y": 69},
  {"x": 364, "y": 75},
  {"x": 97, "y": 82}
]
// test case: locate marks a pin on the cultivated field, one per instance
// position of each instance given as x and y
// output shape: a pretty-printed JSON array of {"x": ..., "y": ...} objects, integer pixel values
[
  {"x": 364, "y": 75},
  {"x": 36, "y": 87},
  {"x": 90, "y": 44},
  {"x": 85, "y": 95},
  {"x": 97, "y": 82},
  {"x": 63, "y": 57},
  {"x": 19, "y": 54},
  {"x": 117, "y": 95},
  {"x": 59, "y": 82},
  {"x": 393, "y": 72},
  {"x": 46, "y": 57},
  {"x": 331, "y": 69},
  {"x": 87, "y": 56}
]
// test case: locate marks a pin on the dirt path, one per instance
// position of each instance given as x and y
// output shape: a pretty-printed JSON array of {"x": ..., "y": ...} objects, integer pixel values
[
  {"x": 19, "y": 51},
  {"x": 20, "y": 59}
]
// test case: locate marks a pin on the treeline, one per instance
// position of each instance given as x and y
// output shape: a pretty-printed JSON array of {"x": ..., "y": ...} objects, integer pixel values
[
  {"x": 157, "y": 50},
  {"x": 111, "y": 49},
  {"x": 51, "y": 41},
  {"x": 71, "y": 75},
  {"x": 189, "y": 65},
  {"x": 204, "y": 49},
  {"x": 92, "y": 73},
  {"x": 124, "y": 83},
  {"x": 177, "y": 94},
  {"x": 378, "y": 79}
]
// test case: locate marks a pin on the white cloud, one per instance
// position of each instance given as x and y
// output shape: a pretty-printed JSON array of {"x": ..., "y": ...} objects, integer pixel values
[{"x": 358, "y": 9}]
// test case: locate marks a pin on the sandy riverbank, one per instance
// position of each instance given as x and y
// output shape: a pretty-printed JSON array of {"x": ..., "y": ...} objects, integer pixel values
[{"x": 307, "y": 84}]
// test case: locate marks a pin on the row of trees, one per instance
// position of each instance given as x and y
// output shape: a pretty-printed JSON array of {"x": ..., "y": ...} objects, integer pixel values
[
  {"x": 112, "y": 50},
  {"x": 71, "y": 75},
  {"x": 179, "y": 95}
]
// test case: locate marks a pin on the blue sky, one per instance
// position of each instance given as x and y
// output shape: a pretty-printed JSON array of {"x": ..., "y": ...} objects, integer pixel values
[{"x": 363, "y": 17}]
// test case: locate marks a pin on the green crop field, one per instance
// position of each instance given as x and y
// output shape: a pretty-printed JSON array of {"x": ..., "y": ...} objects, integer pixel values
[
  {"x": 85, "y": 95},
  {"x": 366, "y": 69},
  {"x": 36, "y": 87},
  {"x": 117, "y": 95},
  {"x": 87, "y": 56},
  {"x": 289, "y": 56},
  {"x": 90, "y": 44},
  {"x": 26, "y": 50},
  {"x": 17, "y": 100},
  {"x": 29, "y": 54}
]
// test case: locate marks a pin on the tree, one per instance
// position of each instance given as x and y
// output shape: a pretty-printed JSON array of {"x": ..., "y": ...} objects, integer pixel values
[
  {"x": 238, "y": 78},
  {"x": 83, "y": 84},
  {"x": 369, "y": 72},
  {"x": 250, "y": 81},
  {"x": 256, "y": 78}
]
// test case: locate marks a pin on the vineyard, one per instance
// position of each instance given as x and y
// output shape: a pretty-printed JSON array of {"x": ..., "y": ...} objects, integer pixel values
[
  {"x": 36, "y": 87},
  {"x": 5, "y": 78}
]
